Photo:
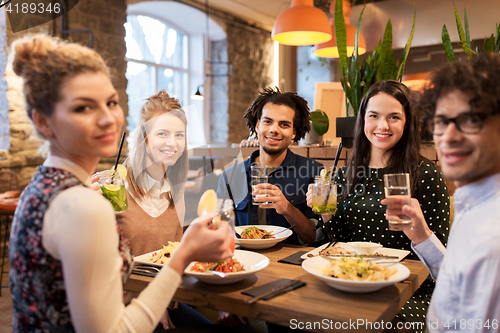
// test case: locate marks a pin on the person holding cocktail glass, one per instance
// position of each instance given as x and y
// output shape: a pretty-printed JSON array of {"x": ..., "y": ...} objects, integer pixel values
[
  {"x": 68, "y": 259},
  {"x": 387, "y": 141},
  {"x": 157, "y": 167}
]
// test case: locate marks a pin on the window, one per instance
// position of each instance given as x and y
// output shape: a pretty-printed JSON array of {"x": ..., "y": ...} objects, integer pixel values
[{"x": 157, "y": 55}]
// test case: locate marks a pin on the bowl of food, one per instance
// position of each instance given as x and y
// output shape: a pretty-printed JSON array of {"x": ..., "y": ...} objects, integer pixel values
[
  {"x": 235, "y": 269},
  {"x": 354, "y": 274},
  {"x": 258, "y": 237},
  {"x": 365, "y": 247}
]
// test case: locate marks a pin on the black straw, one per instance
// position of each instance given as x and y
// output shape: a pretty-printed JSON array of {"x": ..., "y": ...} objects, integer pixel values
[
  {"x": 337, "y": 155},
  {"x": 332, "y": 173},
  {"x": 118, "y": 157},
  {"x": 229, "y": 182}
]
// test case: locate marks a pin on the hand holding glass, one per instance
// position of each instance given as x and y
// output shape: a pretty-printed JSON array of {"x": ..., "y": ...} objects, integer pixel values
[
  {"x": 113, "y": 189},
  {"x": 324, "y": 196},
  {"x": 397, "y": 193},
  {"x": 258, "y": 175}
]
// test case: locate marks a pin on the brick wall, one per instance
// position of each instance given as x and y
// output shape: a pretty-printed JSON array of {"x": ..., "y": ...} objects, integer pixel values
[
  {"x": 251, "y": 54},
  {"x": 106, "y": 20}
]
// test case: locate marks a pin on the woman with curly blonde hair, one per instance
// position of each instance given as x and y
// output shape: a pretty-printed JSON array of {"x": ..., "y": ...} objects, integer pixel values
[{"x": 68, "y": 259}]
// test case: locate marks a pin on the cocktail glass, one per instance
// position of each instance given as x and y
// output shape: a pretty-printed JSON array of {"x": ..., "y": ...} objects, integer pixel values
[
  {"x": 324, "y": 196},
  {"x": 113, "y": 189}
]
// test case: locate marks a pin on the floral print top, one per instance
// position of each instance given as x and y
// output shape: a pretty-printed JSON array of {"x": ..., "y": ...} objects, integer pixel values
[{"x": 36, "y": 278}]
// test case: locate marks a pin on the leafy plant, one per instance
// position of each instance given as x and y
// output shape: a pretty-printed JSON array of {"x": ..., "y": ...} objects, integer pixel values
[
  {"x": 491, "y": 44},
  {"x": 320, "y": 121},
  {"x": 381, "y": 65}
]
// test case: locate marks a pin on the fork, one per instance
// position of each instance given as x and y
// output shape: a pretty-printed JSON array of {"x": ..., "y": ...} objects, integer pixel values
[{"x": 279, "y": 232}]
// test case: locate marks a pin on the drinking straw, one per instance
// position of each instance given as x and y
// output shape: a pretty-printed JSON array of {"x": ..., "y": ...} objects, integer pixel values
[
  {"x": 337, "y": 155},
  {"x": 228, "y": 192},
  {"x": 118, "y": 157},
  {"x": 334, "y": 167}
]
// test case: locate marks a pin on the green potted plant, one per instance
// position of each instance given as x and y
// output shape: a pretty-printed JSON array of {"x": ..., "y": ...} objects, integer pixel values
[
  {"x": 357, "y": 76},
  {"x": 491, "y": 44},
  {"x": 320, "y": 125}
]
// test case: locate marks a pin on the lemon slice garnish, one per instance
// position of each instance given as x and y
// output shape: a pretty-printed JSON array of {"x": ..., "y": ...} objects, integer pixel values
[
  {"x": 111, "y": 187},
  {"x": 121, "y": 170},
  {"x": 207, "y": 203}
]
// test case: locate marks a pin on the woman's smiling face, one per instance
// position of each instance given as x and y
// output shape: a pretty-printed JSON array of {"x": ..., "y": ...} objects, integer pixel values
[
  {"x": 166, "y": 139},
  {"x": 384, "y": 121}
]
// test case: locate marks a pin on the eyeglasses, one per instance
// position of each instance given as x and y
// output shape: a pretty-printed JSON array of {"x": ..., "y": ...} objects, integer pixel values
[{"x": 468, "y": 123}]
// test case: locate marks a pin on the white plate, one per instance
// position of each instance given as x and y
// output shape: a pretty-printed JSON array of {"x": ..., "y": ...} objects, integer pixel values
[
  {"x": 383, "y": 250},
  {"x": 144, "y": 259},
  {"x": 252, "y": 263},
  {"x": 259, "y": 244},
  {"x": 314, "y": 265}
]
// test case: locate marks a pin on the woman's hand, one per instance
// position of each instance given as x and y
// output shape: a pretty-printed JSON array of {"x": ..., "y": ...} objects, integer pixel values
[
  {"x": 420, "y": 231},
  {"x": 95, "y": 185},
  {"x": 325, "y": 217},
  {"x": 199, "y": 243}
]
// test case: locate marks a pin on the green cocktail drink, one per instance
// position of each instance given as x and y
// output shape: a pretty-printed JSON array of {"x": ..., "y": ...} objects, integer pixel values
[
  {"x": 324, "y": 196},
  {"x": 114, "y": 190}
]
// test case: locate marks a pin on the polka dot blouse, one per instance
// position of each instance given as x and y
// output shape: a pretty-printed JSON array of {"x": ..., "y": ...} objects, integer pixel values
[{"x": 361, "y": 217}]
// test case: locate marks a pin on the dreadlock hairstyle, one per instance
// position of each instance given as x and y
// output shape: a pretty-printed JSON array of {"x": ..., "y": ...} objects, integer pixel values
[
  {"x": 275, "y": 96},
  {"x": 405, "y": 156}
]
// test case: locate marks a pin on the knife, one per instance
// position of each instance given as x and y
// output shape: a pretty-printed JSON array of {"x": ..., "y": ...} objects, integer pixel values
[{"x": 284, "y": 286}]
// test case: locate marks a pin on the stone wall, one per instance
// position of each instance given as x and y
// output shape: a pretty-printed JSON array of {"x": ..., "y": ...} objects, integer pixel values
[
  {"x": 106, "y": 20},
  {"x": 251, "y": 55},
  {"x": 218, "y": 93}
]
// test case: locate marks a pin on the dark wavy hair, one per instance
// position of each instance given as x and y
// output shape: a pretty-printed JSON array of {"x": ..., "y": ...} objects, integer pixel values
[
  {"x": 405, "y": 156},
  {"x": 480, "y": 78},
  {"x": 275, "y": 96}
]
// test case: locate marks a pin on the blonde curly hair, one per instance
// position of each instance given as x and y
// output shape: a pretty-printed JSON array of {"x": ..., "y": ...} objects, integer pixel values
[{"x": 45, "y": 63}]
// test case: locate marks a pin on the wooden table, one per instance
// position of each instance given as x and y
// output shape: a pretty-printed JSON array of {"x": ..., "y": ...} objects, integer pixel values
[{"x": 316, "y": 302}]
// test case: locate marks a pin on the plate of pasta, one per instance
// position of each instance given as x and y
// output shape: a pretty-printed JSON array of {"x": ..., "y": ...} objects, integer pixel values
[
  {"x": 242, "y": 264},
  {"x": 157, "y": 258},
  {"x": 258, "y": 237},
  {"x": 355, "y": 275}
]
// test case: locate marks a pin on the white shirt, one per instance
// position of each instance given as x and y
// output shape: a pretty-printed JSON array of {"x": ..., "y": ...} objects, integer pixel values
[
  {"x": 155, "y": 202},
  {"x": 467, "y": 293},
  {"x": 79, "y": 229}
]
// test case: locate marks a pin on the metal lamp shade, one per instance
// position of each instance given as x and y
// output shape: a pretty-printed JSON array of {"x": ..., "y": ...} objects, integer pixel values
[{"x": 302, "y": 24}]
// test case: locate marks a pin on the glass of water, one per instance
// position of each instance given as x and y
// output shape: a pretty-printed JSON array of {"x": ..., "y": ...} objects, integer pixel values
[
  {"x": 258, "y": 175},
  {"x": 397, "y": 193}
]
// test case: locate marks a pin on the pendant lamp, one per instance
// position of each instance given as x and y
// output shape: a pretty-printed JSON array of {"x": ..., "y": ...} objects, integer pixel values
[
  {"x": 302, "y": 24},
  {"x": 329, "y": 49}
]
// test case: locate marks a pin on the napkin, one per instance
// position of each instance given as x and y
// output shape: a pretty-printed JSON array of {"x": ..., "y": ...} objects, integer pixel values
[
  {"x": 293, "y": 259},
  {"x": 254, "y": 292}
]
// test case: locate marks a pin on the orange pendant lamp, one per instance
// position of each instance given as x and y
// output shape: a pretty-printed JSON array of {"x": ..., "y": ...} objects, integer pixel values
[
  {"x": 302, "y": 24},
  {"x": 329, "y": 49}
]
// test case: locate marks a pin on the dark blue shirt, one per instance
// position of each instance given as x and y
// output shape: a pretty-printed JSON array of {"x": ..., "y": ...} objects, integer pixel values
[{"x": 293, "y": 177}]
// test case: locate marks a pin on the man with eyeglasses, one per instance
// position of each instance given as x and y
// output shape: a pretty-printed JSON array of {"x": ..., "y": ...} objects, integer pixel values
[{"x": 463, "y": 102}]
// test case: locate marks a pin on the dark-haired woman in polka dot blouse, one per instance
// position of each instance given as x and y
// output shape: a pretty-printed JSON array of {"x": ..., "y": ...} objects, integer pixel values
[{"x": 387, "y": 140}]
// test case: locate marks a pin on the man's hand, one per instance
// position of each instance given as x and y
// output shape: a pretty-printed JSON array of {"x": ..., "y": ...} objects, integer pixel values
[
  {"x": 420, "y": 230},
  {"x": 276, "y": 199}
]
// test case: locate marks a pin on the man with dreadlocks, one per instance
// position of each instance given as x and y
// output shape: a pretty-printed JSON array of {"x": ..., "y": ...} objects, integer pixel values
[{"x": 277, "y": 118}]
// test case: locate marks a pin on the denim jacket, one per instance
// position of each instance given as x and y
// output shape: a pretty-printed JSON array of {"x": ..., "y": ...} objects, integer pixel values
[{"x": 293, "y": 177}]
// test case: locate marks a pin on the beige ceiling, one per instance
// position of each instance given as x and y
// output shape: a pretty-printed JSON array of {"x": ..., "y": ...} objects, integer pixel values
[
  {"x": 431, "y": 15},
  {"x": 261, "y": 13}
]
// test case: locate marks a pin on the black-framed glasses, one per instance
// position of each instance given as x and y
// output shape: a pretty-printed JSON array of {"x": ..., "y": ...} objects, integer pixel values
[{"x": 468, "y": 123}]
